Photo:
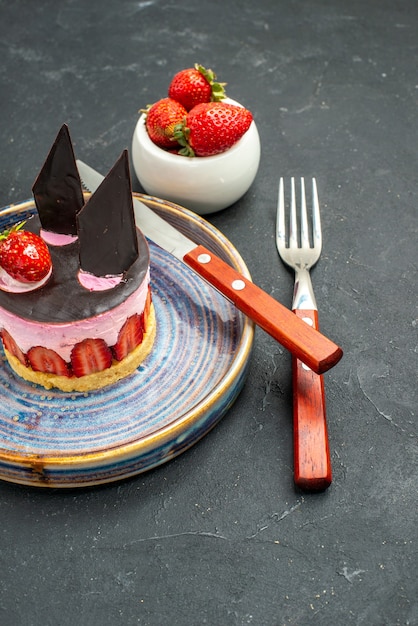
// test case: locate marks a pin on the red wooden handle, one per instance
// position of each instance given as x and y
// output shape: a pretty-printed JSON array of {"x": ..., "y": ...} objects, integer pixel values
[
  {"x": 312, "y": 462},
  {"x": 307, "y": 344}
]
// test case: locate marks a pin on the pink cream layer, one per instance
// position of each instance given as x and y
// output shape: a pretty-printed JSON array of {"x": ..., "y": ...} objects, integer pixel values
[
  {"x": 61, "y": 337},
  {"x": 98, "y": 283},
  {"x": 56, "y": 239}
]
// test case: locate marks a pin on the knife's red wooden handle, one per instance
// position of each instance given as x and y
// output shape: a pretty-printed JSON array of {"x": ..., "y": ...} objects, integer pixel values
[
  {"x": 307, "y": 344},
  {"x": 312, "y": 461}
]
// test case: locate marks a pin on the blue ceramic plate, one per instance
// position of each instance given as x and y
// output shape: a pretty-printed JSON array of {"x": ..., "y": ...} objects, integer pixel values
[{"x": 196, "y": 370}]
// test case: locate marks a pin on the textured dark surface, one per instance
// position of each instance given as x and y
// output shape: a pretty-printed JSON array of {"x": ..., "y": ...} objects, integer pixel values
[{"x": 220, "y": 536}]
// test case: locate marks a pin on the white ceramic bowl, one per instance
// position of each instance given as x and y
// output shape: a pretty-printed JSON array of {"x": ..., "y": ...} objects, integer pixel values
[{"x": 201, "y": 184}]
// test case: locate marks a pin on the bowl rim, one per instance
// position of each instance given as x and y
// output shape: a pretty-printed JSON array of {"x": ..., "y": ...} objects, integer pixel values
[{"x": 141, "y": 134}]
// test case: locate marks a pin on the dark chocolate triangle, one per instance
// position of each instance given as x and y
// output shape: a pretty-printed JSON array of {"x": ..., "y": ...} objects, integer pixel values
[
  {"x": 106, "y": 225},
  {"x": 57, "y": 190}
]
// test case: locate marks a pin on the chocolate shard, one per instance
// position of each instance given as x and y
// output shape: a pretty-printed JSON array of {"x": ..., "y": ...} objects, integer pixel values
[
  {"x": 57, "y": 190},
  {"x": 106, "y": 225}
]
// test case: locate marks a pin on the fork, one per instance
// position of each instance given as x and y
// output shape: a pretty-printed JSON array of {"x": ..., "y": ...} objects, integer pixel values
[{"x": 312, "y": 463}]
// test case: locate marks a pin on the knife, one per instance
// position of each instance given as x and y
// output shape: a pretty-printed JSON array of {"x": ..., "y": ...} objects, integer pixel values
[{"x": 311, "y": 347}]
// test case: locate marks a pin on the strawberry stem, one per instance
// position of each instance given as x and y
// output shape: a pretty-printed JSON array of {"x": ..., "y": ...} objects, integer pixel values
[
  {"x": 146, "y": 110},
  {"x": 4, "y": 235},
  {"x": 181, "y": 135},
  {"x": 218, "y": 89}
]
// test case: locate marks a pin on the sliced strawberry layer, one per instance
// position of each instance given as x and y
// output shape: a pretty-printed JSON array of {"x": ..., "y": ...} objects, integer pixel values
[
  {"x": 147, "y": 307},
  {"x": 48, "y": 361},
  {"x": 129, "y": 337},
  {"x": 12, "y": 347},
  {"x": 90, "y": 356}
]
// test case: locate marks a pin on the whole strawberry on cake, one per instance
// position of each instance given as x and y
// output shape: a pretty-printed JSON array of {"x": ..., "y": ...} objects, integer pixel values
[{"x": 76, "y": 310}]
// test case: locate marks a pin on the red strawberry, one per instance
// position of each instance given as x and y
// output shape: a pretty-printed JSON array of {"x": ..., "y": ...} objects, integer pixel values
[
  {"x": 12, "y": 347},
  {"x": 129, "y": 337},
  {"x": 24, "y": 255},
  {"x": 194, "y": 86},
  {"x": 46, "y": 360},
  {"x": 212, "y": 128},
  {"x": 89, "y": 356},
  {"x": 161, "y": 119}
]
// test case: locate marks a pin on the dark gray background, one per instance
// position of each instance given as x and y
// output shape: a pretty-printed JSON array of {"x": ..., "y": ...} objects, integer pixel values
[{"x": 220, "y": 536}]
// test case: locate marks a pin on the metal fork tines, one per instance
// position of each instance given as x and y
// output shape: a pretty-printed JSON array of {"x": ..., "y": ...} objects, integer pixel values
[
  {"x": 301, "y": 250},
  {"x": 296, "y": 250}
]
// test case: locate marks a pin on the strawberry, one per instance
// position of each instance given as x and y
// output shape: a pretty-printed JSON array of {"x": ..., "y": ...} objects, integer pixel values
[
  {"x": 195, "y": 85},
  {"x": 46, "y": 360},
  {"x": 212, "y": 128},
  {"x": 129, "y": 337},
  {"x": 161, "y": 119},
  {"x": 24, "y": 255},
  {"x": 11, "y": 346},
  {"x": 89, "y": 356}
]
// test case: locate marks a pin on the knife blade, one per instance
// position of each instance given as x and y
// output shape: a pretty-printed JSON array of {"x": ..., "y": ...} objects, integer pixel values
[{"x": 309, "y": 345}]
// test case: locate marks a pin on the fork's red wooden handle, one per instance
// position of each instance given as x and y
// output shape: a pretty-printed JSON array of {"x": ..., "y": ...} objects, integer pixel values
[
  {"x": 312, "y": 461},
  {"x": 317, "y": 351}
]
